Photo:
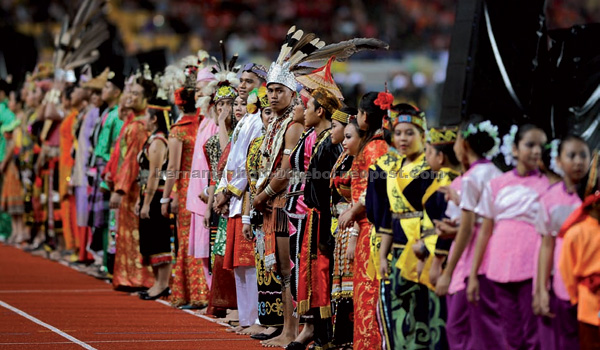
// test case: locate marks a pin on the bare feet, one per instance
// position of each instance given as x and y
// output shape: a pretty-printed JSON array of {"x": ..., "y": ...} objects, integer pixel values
[
  {"x": 254, "y": 329},
  {"x": 235, "y": 329},
  {"x": 280, "y": 341}
]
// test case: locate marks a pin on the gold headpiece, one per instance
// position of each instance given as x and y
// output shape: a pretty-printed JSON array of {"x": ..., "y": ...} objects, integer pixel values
[
  {"x": 442, "y": 136},
  {"x": 341, "y": 117}
]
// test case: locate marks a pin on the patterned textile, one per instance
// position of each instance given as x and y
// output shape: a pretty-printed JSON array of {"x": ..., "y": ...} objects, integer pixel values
[
  {"x": 128, "y": 270},
  {"x": 342, "y": 285},
  {"x": 270, "y": 307},
  {"x": 12, "y": 191},
  {"x": 316, "y": 256},
  {"x": 295, "y": 207},
  {"x": 65, "y": 166},
  {"x": 414, "y": 315},
  {"x": 188, "y": 286},
  {"x": 239, "y": 251},
  {"x": 366, "y": 289}
]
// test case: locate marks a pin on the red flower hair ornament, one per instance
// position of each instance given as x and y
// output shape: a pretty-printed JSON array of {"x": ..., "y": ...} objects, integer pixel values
[{"x": 384, "y": 100}]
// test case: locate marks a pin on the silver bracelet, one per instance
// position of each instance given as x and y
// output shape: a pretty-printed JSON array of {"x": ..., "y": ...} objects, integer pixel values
[
  {"x": 245, "y": 220},
  {"x": 165, "y": 200},
  {"x": 269, "y": 191},
  {"x": 354, "y": 232},
  {"x": 206, "y": 191}
]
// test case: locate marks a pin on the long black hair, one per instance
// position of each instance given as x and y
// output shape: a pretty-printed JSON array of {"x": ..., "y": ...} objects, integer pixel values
[{"x": 375, "y": 116}]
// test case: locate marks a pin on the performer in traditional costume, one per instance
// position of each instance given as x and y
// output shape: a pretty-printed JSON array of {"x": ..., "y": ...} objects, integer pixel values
[
  {"x": 128, "y": 272},
  {"x": 579, "y": 267},
  {"x": 270, "y": 310},
  {"x": 342, "y": 277},
  {"x": 366, "y": 289},
  {"x": 231, "y": 191},
  {"x": 223, "y": 293},
  {"x": 197, "y": 196},
  {"x": 104, "y": 137},
  {"x": 83, "y": 150},
  {"x": 558, "y": 324},
  {"x": 316, "y": 254},
  {"x": 189, "y": 287},
  {"x": 155, "y": 229},
  {"x": 510, "y": 204},
  {"x": 468, "y": 325},
  {"x": 65, "y": 169}
]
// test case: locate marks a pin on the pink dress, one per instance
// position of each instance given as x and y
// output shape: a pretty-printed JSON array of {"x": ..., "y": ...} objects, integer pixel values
[
  {"x": 513, "y": 202},
  {"x": 199, "y": 235},
  {"x": 470, "y": 188},
  {"x": 555, "y": 207}
]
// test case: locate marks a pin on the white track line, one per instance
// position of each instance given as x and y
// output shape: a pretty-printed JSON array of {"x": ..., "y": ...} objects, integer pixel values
[{"x": 44, "y": 324}]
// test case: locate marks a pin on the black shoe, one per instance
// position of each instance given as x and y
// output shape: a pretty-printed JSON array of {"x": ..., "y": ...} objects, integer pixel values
[
  {"x": 165, "y": 293},
  {"x": 263, "y": 336},
  {"x": 295, "y": 345}
]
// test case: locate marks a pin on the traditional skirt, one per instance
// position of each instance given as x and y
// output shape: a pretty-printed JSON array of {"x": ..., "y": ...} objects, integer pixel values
[
  {"x": 342, "y": 291},
  {"x": 366, "y": 294},
  {"x": 155, "y": 234},
  {"x": 188, "y": 286},
  {"x": 413, "y": 316},
  {"x": 239, "y": 251},
  {"x": 222, "y": 291},
  {"x": 270, "y": 307},
  {"x": 128, "y": 269},
  {"x": 12, "y": 200}
]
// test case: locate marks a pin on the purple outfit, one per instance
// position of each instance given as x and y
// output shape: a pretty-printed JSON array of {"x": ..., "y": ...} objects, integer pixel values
[
  {"x": 560, "y": 332},
  {"x": 513, "y": 202},
  {"x": 472, "y": 326}
]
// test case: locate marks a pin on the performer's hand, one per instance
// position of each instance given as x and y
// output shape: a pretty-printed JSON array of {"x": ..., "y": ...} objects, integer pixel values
[
  {"x": 544, "y": 303},
  {"x": 145, "y": 212},
  {"x": 450, "y": 194},
  {"x": 115, "y": 200},
  {"x": 383, "y": 267},
  {"x": 164, "y": 209},
  {"x": 351, "y": 247},
  {"x": 435, "y": 271},
  {"x": 443, "y": 282},
  {"x": 203, "y": 197},
  {"x": 260, "y": 203},
  {"x": 346, "y": 218},
  {"x": 136, "y": 209},
  {"x": 247, "y": 231},
  {"x": 446, "y": 228},
  {"x": 175, "y": 205},
  {"x": 473, "y": 290}
]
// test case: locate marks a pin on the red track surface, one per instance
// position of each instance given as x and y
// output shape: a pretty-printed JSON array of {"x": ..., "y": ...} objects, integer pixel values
[{"x": 90, "y": 311}]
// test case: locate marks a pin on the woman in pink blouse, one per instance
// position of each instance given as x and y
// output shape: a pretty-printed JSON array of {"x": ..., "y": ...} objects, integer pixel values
[
  {"x": 558, "y": 326},
  {"x": 509, "y": 205}
]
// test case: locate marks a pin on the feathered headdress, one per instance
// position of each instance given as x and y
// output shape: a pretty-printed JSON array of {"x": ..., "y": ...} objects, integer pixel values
[
  {"x": 77, "y": 41},
  {"x": 225, "y": 73},
  {"x": 299, "y": 47}
]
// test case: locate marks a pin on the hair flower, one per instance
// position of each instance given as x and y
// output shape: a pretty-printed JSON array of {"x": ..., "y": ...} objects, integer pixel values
[
  {"x": 384, "y": 100},
  {"x": 507, "y": 146}
]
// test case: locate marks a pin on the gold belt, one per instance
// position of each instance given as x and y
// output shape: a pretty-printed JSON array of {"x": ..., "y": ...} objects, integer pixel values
[{"x": 410, "y": 215}]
